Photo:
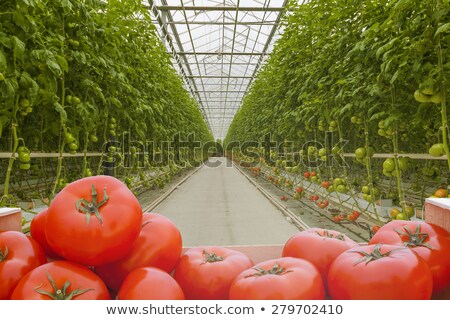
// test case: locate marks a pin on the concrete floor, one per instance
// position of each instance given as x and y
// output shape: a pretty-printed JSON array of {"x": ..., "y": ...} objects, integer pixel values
[{"x": 219, "y": 206}]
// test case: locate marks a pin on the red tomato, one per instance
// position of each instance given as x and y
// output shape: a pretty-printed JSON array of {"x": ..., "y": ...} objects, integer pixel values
[
  {"x": 150, "y": 284},
  {"x": 429, "y": 241},
  {"x": 375, "y": 229},
  {"x": 19, "y": 254},
  {"x": 279, "y": 279},
  {"x": 306, "y": 175},
  {"x": 353, "y": 216},
  {"x": 318, "y": 246},
  {"x": 375, "y": 272},
  {"x": 313, "y": 174},
  {"x": 93, "y": 229},
  {"x": 336, "y": 219},
  {"x": 299, "y": 190},
  {"x": 206, "y": 273},
  {"x": 37, "y": 231},
  {"x": 61, "y": 280},
  {"x": 158, "y": 245}
]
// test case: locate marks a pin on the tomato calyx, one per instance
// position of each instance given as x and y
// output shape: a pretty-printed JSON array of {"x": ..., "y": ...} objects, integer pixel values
[
  {"x": 415, "y": 239},
  {"x": 92, "y": 207},
  {"x": 3, "y": 255},
  {"x": 211, "y": 257},
  {"x": 60, "y": 293},
  {"x": 276, "y": 270},
  {"x": 374, "y": 255},
  {"x": 331, "y": 236}
]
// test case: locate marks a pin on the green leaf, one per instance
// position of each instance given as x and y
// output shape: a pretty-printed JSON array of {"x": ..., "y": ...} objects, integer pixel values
[
  {"x": 62, "y": 113},
  {"x": 54, "y": 67},
  {"x": 444, "y": 28},
  {"x": 3, "y": 63},
  {"x": 18, "y": 47},
  {"x": 3, "y": 122},
  {"x": 67, "y": 6},
  {"x": 394, "y": 77},
  {"x": 377, "y": 116},
  {"x": 62, "y": 63}
]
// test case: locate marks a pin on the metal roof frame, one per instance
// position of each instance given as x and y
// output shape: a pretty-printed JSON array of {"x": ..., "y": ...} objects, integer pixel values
[{"x": 218, "y": 46}]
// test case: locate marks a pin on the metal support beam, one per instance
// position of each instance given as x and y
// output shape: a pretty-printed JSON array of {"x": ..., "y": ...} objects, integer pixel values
[
  {"x": 221, "y": 53},
  {"x": 219, "y": 77},
  {"x": 220, "y": 8}
]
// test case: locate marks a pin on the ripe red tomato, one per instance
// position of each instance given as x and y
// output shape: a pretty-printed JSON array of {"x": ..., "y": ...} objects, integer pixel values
[
  {"x": 37, "y": 231},
  {"x": 207, "y": 272},
  {"x": 150, "y": 284},
  {"x": 299, "y": 190},
  {"x": 158, "y": 245},
  {"x": 353, "y": 216},
  {"x": 19, "y": 254},
  {"x": 318, "y": 246},
  {"x": 61, "y": 280},
  {"x": 336, "y": 219},
  {"x": 326, "y": 184},
  {"x": 375, "y": 229},
  {"x": 375, "y": 272},
  {"x": 313, "y": 173},
  {"x": 279, "y": 279},
  {"x": 306, "y": 175},
  {"x": 93, "y": 229},
  {"x": 429, "y": 241}
]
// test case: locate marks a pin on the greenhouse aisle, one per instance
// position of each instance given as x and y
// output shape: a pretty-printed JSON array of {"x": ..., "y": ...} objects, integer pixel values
[{"x": 219, "y": 206}]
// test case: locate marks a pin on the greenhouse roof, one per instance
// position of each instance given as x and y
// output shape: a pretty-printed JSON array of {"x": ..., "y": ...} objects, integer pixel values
[{"x": 218, "y": 47}]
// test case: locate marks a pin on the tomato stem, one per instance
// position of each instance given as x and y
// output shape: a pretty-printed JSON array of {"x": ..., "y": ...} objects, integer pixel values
[
  {"x": 331, "y": 236},
  {"x": 3, "y": 255},
  {"x": 275, "y": 270},
  {"x": 415, "y": 239},
  {"x": 60, "y": 293},
  {"x": 374, "y": 255},
  {"x": 92, "y": 207},
  {"x": 211, "y": 257}
]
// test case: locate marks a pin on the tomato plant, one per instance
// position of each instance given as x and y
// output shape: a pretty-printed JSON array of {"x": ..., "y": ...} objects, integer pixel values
[
  {"x": 93, "y": 221},
  {"x": 61, "y": 280},
  {"x": 279, "y": 279},
  {"x": 379, "y": 271},
  {"x": 430, "y": 242},
  {"x": 207, "y": 272},
  {"x": 159, "y": 245},
  {"x": 318, "y": 246},
  {"x": 150, "y": 284},
  {"x": 19, "y": 254}
]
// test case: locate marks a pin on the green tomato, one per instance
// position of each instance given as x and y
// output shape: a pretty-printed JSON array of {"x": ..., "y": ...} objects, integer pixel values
[
  {"x": 389, "y": 164},
  {"x": 113, "y": 120},
  {"x": 24, "y": 157},
  {"x": 24, "y": 103},
  {"x": 112, "y": 149},
  {"x": 69, "y": 99},
  {"x": 365, "y": 189},
  {"x": 76, "y": 100},
  {"x": 24, "y": 166},
  {"x": 341, "y": 188},
  {"x": 68, "y": 137},
  {"x": 381, "y": 124},
  {"x": 333, "y": 123},
  {"x": 73, "y": 146},
  {"x": 360, "y": 153},
  {"x": 353, "y": 119},
  {"x": 93, "y": 138},
  {"x": 403, "y": 164},
  {"x": 401, "y": 216},
  {"x": 338, "y": 182},
  {"x": 437, "y": 150}
]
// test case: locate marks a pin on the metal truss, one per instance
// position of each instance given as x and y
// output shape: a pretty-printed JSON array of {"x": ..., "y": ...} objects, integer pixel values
[{"x": 218, "y": 46}]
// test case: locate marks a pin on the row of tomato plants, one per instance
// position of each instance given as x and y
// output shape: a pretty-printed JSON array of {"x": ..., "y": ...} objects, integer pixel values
[
  {"x": 76, "y": 75},
  {"x": 373, "y": 75},
  {"x": 100, "y": 246}
]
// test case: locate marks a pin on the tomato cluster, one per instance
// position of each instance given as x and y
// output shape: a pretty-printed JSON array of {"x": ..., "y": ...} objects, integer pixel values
[{"x": 99, "y": 245}]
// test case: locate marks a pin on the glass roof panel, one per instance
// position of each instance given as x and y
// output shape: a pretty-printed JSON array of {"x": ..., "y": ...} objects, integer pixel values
[{"x": 218, "y": 47}]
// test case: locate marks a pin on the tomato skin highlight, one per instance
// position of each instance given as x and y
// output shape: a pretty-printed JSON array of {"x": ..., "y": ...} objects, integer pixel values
[
  {"x": 159, "y": 245},
  {"x": 300, "y": 281},
  {"x": 150, "y": 284},
  {"x": 19, "y": 255},
  {"x": 80, "y": 277},
  {"x": 402, "y": 275},
  {"x": 437, "y": 258},
  {"x": 37, "y": 231},
  {"x": 201, "y": 280},
  {"x": 318, "y": 246},
  {"x": 97, "y": 242}
]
